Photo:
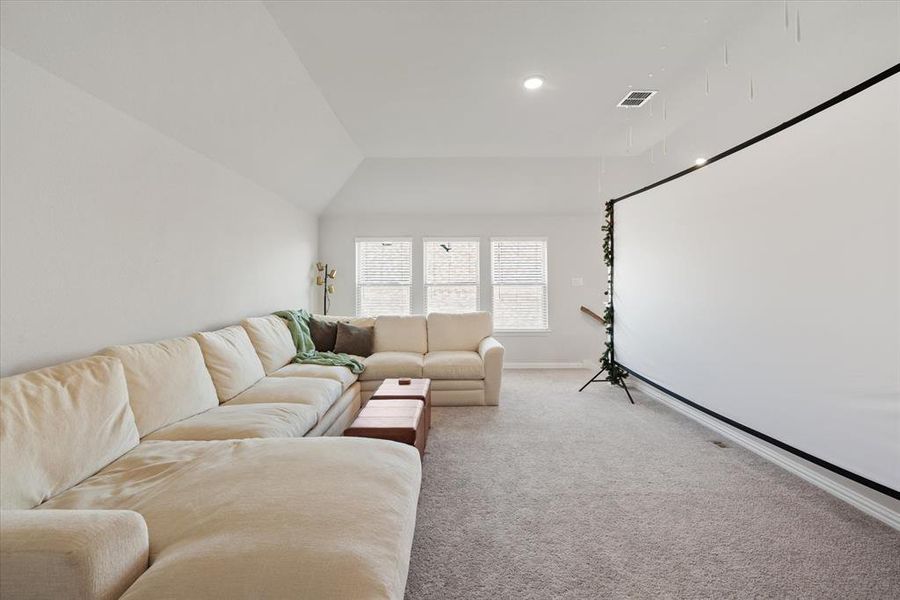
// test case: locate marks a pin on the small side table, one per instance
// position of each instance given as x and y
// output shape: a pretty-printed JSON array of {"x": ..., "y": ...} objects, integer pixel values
[{"x": 418, "y": 389}]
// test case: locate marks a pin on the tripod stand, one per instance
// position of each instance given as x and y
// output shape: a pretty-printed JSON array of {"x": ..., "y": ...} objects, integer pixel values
[{"x": 595, "y": 379}]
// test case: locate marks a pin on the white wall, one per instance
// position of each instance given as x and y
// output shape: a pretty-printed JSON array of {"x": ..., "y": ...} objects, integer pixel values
[
  {"x": 111, "y": 232},
  {"x": 573, "y": 246},
  {"x": 766, "y": 286}
]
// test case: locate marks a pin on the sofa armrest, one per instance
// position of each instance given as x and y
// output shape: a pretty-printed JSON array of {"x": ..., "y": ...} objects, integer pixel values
[
  {"x": 491, "y": 352},
  {"x": 71, "y": 553}
]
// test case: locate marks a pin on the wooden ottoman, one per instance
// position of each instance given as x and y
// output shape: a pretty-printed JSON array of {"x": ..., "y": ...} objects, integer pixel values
[
  {"x": 416, "y": 389},
  {"x": 396, "y": 420}
]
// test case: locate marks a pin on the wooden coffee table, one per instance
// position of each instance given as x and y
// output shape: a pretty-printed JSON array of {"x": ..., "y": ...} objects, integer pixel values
[
  {"x": 400, "y": 420},
  {"x": 417, "y": 389}
]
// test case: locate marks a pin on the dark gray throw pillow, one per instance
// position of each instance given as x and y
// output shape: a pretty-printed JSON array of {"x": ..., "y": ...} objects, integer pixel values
[
  {"x": 323, "y": 333},
  {"x": 354, "y": 340}
]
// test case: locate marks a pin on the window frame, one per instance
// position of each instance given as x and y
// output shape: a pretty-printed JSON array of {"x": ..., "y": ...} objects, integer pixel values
[
  {"x": 546, "y": 284},
  {"x": 358, "y": 285},
  {"x": 425, "y": 284}
]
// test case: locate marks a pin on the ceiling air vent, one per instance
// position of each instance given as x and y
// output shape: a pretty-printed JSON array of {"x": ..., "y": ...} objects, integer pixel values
[{"x": 636, "y": 98}]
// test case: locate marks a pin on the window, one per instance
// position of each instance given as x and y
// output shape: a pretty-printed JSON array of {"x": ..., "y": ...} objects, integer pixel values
[
  {"x": 383, "y": 277},
  {"x": 451, "y": 275},
  {"x": 519, "y": 278}
]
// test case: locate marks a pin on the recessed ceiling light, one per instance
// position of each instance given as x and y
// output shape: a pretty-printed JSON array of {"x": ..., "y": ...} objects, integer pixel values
[
  {"x": 700, "y": 161},
  {"x": 534, "y": 82}
]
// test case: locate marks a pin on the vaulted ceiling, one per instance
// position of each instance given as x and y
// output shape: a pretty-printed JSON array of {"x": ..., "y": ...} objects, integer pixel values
[
  {"x": 218, "y": 77},
  {"x": 432, "y": 92},
  {"x": 371, "y": 106},
  {"x": 414, "y": 79}
]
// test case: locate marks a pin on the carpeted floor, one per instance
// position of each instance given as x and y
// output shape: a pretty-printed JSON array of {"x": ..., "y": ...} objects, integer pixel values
[{"x": 557, "y": 494}]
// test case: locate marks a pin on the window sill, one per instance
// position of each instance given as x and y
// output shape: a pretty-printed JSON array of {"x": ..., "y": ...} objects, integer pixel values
[{"x": 522, "y": 332}]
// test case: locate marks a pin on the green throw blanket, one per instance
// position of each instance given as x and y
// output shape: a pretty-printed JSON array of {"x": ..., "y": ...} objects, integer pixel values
[{"x": 298, "y": 322}]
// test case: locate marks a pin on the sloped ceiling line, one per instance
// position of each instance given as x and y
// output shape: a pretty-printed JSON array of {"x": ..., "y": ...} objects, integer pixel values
[
  {"x": 150, "y": 126},
  {"x": 217, "y": 77}
]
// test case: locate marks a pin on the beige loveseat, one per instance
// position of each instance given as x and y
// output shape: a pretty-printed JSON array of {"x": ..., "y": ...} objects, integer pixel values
[
  {"x": 99, "y": 498},
  {"x": 456, "y": 351}
]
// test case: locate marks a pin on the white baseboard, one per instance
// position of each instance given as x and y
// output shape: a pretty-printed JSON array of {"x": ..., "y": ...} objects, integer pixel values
[
  {"x": 796, "y": 465},
  {"x": 543, "y": 365}
]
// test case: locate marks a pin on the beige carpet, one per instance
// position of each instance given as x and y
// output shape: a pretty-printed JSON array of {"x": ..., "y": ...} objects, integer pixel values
[{"x": 557, "y": 494}]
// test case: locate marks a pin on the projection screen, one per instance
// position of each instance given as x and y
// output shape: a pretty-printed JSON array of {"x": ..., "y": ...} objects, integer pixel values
[{"x": 765, "y": 286}]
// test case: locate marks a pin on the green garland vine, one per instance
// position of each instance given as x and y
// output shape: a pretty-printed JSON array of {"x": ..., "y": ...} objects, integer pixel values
[{"x": 615, "y": 374}]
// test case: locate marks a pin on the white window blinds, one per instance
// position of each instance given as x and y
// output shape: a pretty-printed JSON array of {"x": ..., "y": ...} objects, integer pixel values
[
  {"x": 519, "y": 279},
  {"x": 451, "y": 275},
  {"x": 383, "y": 277}
]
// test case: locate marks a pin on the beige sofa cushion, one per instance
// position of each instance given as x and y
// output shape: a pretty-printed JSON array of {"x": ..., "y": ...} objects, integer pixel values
[
  {"x": 231, "y": 360},
  {"x": 167, "y": 381},
  {"x": 453, "y": 364},
  {"x": 273, "y": 342},
  {"x": 340, "y": 415},
  {"x": 401, "y": 334},
  {"x": 85, "y": 554},
  {"x": 60, "y": 425},
  {"x": 323, "y": 518},
  {"x": 242, "y": 421},
  {"x": 317, "y": 393},
  {"x": 458, "y": 331},
  {"x": 345, "y": 376},
  {"x": 442, "y": 385},
  {"x": 392, "y": 364}
]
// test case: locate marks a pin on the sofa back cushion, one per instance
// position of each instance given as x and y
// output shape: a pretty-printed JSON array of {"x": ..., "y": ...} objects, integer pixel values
[
  {"x": 353, "y": 340},
  {"x": 323, "y": 334},
  {"x": 167, "y": 381},
  {"x": 355, "y": 321},
  {"x": 273, "y": 342},
  {"x": 59, "y": 426},
  {"x": 458, "y": 331},
  {"x": 231, "y": 360},
  {"x": 394, "y": 333}
]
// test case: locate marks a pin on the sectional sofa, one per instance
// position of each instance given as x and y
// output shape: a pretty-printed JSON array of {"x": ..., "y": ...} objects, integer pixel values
[{"x": 174, "y": 469}]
